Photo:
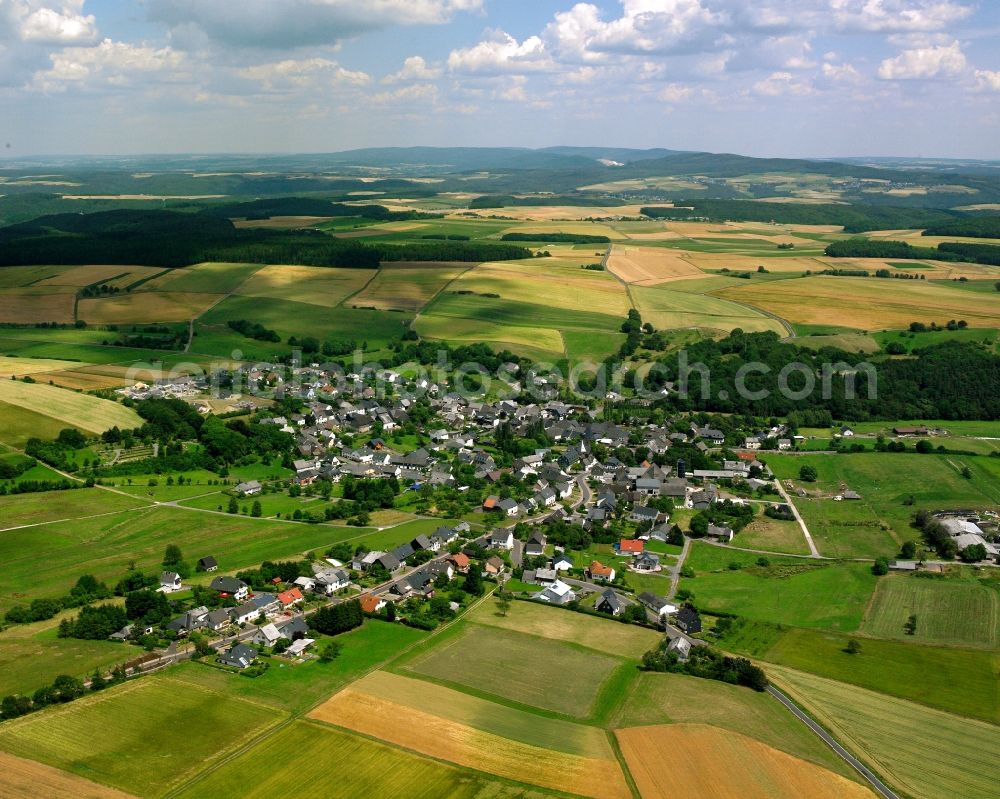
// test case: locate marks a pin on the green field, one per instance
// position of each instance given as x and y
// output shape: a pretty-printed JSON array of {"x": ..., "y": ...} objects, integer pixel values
[
  {"x": 45, "y": 560},
  {"x": 49, "y": 506},
  {"x": 137, "y": 748},
  {"x": 803, "y": 593},
  {"x": 679, "y": 699},
  {"x": 315, "y": 755},
  {"x": 925, "y": 753},
  {"x": 773, "y": 535},
  {"x": 965, "y": 612},
  {"x": 207, "y": 278},
  {"x": 961, "y": 681},
  {"x": 667, "y": 308},
  {"x": 520, "y": 668},
  {"x": 878, "y": 523}
]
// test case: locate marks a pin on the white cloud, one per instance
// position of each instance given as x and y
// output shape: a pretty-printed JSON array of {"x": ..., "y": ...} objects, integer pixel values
[
  {"x": 414, "y": 68},
  {"x": 988, "y": 80},
  {"x": 108, "y": 63},
  {"x": 782, "y": 83},
  {"x": 56, "y": 22},
  {"x": 675, "y": 93},
  {"x": 500, "y": 54},
  {"x": 291, "y": 24},
  {"x": 418, "y": 92},
  {"x": 925, "y": 63},
  {"x": 292, "y": 74},
  {"x": 844, "y": 73},
  {"x": 897, "y": 15}
]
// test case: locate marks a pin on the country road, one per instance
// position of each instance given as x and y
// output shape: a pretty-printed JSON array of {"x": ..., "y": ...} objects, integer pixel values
[
  {"x": 798, "y": 517},
  {"x": 828, "y": 739}
]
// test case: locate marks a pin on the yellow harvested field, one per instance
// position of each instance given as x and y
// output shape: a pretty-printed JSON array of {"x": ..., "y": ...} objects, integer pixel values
[
  {"x": 315, "y": 285},
  {"x": 86, "y": 275},
  {"x": 707, "y": 761},
  {"x": 26, "y": 778},
  {"x": 589, "y": 631},
  {"x": 648, "y": 266},
  {"x": 146, "y": 306},
  {"x": 895, "y": 737},
  {"x": 868, "y": 303},
  {"x": 12, "y": 365},
  {"x": 434, "y": 736},
  {"x": 748, "y": 263},
  {"x": 83, "y": 380},
  {"x": 549, "y": 213},
  {"x": 406, "y": 288},
  {"x": 549, "y": 281},
  {"x": 25, "y": 307},
  {"x": 78, "y": 410}
]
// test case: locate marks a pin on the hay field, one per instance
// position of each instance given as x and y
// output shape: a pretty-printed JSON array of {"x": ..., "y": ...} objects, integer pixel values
[
  {"x": 451, "y": 726},
  {"x": 578, "y": 228},
  {"x": 77, "y": 410},
  {"x": 592, "y": 632},
  {"x": 647, "y": 266},
  {"x": 706, "y": 761},
  {"x": 323, "y": 763},
  {"x": 406, "y": 288},
  {"x": 20, "y": 777},
  {"x": 138, "y": 747},
  {"x": 309, "y": 284},
  {"x": 381, "y": 229},
  {"x": 280, "y": 222},
  {"x": 959, "y": 612},
  {"x": 928, "y": 754},
  {"x": 20, "y": 276},
  {"x": 146, "y": 307},
  {"x": 867, "y": 303},
  {"x": 714, "y": 261},
  {"x": 83, "y": 380},
  {"x": 520, "y": 668},
  {"x": 554, "y": 282},
  {"x": 667, "y": 308},
  {"x": 679, "y": 699},
  {"x": 33, "y": 304}
]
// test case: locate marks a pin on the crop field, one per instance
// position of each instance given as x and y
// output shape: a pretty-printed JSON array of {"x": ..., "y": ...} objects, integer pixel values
[
  {"x": 868, "y": 303},
  {"x": 923, "y": 752},
  {"x": 406, "y": 287},
  {"x": 667, "y": 308},
  {"x": 315, "y": 285},
  {"x": 46, "y": 559},
  {"x": 13, "y": 277},
  {"x": 12, "y": 365},
  {"x": 520, "y": 668},
  {"x": 948, "y": 611},
  {"x": 556, "y": 282},
  {"x": 207, "y": 278},
  {"x": 313, "y": 755},
  {"x": 649, "y": 266},
  {"x": 25, "y": 306},
  {"x": 879, "y": 522},
  {"x": 559, "y": 625},
  {"x": 293, "y": 319},
  {"x": 804, "y": 594},
  {"x": 130, "y": 718},
  {"x": 707, "y": 761},
  {"x": 20, "y": 777},
  {"x": 471, "y": 732},
  {"x": 18, "y": 424},
  {"x": 111, "y": 275},
  {"x": 527, "y": 341},
  {"x": 679, "y": 699},
  {"x": 146, "y": 306},
  {"x": 67, "y": 407},
  {"x": 49, "y": 506}
]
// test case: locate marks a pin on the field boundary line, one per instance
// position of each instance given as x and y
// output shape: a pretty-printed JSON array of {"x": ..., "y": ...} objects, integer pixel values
[
  {"x": 623, "y": 764},
  {"x": 376, "y": 272},
  {"x": 628, "y": 288}
]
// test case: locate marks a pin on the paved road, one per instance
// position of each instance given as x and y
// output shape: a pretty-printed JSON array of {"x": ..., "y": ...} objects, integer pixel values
[
  {"x": 675, "y": 570},
  {"x": 798, "y": 517},
  {"x": 844, "y": 755}
]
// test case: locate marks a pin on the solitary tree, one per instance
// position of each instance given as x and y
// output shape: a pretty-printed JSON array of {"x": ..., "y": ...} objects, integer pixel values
[
  {"x": 503, "y": 602},
  {"x": 853, "y": 647},
  {"x": 808, "y": 474}
]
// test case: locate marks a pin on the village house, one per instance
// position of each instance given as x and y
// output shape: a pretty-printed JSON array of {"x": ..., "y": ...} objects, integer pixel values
[
  {"x": 657, "y": 604},
  {"x": 230, "y": 587},
  {"x": 609, "y": 602},
  {"x": 207, "y": 564},
  {"x": 501, "y": 538},
  {"x": 689, "y": 620},
  {"x": 170, "y": 582},
  {"x": 598, "y": 572},
  {"x": 240, "y": 656}
]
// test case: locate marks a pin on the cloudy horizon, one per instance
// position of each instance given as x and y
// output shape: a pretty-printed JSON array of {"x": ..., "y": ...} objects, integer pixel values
[{"x": 791, "y": 78}]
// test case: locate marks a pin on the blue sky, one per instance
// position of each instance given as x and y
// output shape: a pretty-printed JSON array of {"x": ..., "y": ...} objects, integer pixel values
[{"x": 768, "y": 77}]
